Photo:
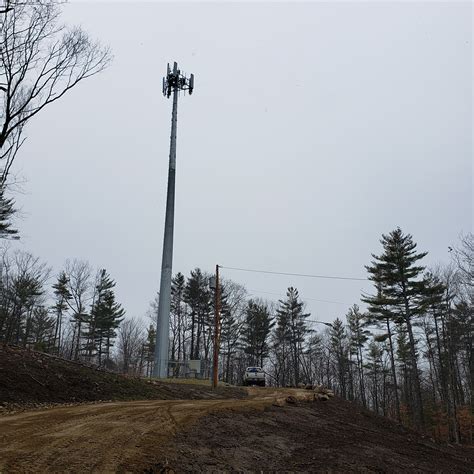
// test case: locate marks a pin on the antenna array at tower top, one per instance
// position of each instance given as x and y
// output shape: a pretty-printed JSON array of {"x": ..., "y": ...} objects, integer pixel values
[{"x": 175, "y": 79}]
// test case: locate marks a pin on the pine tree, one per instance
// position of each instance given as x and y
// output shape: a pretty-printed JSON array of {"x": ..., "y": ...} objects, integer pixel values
[
  {"x": 7, "y": 211},
  {"x": 42, "y": 327},
  {"x": 257, "y": 326},
  {"x": 404, "y": 360},
  {"x": 439, "y": 305},
  {"x": 358, "y": 336},
  {"x": 374, "y": 371},
  {"x": 62, "y": 296},
  {"x": 402, "y": 293},
  {"x": 150, "y": 349},
  {"x": 340, "y": 349},
  {"x": 382, "y": 317},
  {"x": 27, "y": 288},
  {"x": 105, "y": 317},
  {"x": 197, "y": 295},
  {"x": 315, "y": 357},
  {"x": 292, "y": 328}
]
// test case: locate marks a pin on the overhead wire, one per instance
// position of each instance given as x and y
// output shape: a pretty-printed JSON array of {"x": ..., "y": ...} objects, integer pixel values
[
  {"x": 305, "y": 298},
  {"x": 268, "y": 272}
]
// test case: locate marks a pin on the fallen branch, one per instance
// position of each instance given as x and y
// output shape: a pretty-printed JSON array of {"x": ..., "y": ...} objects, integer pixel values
[{"x": 36, "y": 380}]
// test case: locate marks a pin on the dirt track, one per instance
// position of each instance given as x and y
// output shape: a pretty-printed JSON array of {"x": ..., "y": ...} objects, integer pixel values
[
  {"x": 233, "y": 434},
  {"x": 102, "y": 437}
]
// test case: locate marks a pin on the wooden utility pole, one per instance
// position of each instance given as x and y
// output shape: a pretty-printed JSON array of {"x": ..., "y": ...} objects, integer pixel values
[{"x": 217, "y": 329}]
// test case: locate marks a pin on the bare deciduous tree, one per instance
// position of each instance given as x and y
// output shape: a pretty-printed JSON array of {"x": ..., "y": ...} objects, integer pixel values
[
  {"x": 40, "y": 60},
  {"x": 131, "y": 341},
  {"x": 79, "y": 285},
  {"x": 464, "y": 257}
]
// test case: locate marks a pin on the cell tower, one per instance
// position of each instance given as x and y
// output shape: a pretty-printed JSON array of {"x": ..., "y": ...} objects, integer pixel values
[{"x": 172, "y": 84}]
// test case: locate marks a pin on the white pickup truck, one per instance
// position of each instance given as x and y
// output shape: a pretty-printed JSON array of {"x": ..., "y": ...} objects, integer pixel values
[{"x": 254, "y": 376}]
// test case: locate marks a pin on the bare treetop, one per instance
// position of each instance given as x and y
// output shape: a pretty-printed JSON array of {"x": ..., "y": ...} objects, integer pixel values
[{"x": 40, "y": 60}]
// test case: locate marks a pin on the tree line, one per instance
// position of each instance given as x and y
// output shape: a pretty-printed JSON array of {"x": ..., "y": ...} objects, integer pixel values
[
  {"x": 407, "y": 355},
  {"x": 75, "y": 317}
]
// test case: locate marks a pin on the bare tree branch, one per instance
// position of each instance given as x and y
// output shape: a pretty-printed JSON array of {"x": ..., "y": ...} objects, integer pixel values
[{"x": 40, "y": 61}]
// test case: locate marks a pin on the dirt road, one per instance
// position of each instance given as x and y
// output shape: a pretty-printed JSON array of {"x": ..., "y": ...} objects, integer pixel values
[
  {"x": 226, "y": 434},
  {"x": 104, "y": 437}
]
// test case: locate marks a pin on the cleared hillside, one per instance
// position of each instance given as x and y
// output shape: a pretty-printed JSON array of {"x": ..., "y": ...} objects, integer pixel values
[
  {"x": 31, "y": 378},
  {"x": 330, "y": 437},
  {"x": 188, "y": 427}
]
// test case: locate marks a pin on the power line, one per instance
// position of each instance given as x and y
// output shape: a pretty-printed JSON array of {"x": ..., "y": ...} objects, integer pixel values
[
  {"x": 294, "y": 274},
  {"x": 303, "y": 298}
]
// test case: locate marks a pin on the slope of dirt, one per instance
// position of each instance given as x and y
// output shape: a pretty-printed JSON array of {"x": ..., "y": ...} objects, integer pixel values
[
  {"x": 333, "y": 436},
  {"x": 218, "y": 435},
  {"x": 31, "y": 378},
  {"x": 182, "y": 428}
]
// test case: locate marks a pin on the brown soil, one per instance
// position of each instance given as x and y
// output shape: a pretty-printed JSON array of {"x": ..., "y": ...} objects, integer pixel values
[
  {"x": 218, "y": 435},
  {"x": 29, "y": 378},
  {"x": 332, "y": 436},
  {"x": 106, "y": 437},
  {"x": 192, "y": 428}
]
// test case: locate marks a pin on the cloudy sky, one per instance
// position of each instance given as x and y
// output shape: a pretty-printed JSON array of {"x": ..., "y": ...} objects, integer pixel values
[{"x": 314, "y": 128}]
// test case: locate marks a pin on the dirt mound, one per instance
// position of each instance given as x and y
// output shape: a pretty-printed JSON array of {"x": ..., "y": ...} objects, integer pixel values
[
  {"x": 334, "y": 436},
  {"x": 29, "y": 378}
]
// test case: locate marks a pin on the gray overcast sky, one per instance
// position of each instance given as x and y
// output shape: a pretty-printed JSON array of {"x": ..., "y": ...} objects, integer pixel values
[{"x": 314, "y": 128}]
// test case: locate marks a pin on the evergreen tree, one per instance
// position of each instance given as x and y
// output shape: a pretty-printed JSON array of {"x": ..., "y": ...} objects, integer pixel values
[
  {"x": 105, "y": 317},
  {"x": 150, "y": 349},
  {"x": 374, "y": 368},
  {"x": 403, "y": 294},
  {"x": 382, "y": 317},
  {"x": 340, "y": 350},
  {"x": 26, "y": 290},
  {"x": 7, "y": 211},
  {"x": 198, "y": 296},
  {"x": 42, "y": 327},
  {"x": 315, "y": 357},
  {"x": 256, "y": 329},
  {"x": 62, "y": 296},
  {"x": 292, "y": 329},
  {"x": 358, "y": 336},
  {"x": 404, "y": 360}
]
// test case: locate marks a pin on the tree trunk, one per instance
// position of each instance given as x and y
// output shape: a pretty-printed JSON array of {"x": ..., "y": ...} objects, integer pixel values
[{"x": 419, "y": 416}]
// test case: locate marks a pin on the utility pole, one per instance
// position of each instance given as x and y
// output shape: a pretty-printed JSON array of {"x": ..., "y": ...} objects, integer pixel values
[
  {"x": 172, "y": 84},
  {"x": 217, "y": 328}
]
